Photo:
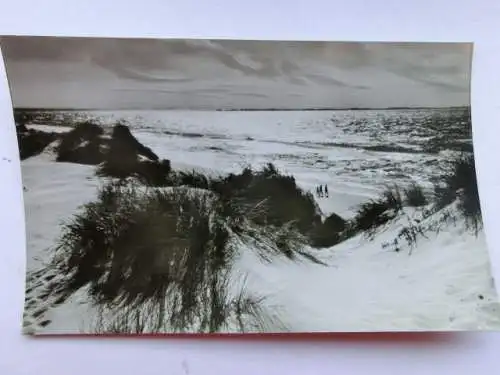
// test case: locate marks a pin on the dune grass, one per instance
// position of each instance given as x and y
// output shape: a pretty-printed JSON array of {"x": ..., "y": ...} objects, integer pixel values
[
  {"x": 137, "y": 246},
  {"x": 456, "y": 198},
  {"x": 460, "y": 183},
  {"x": 32, "y": 142},
  {"x": 414, "y": 196},
  {"x": 269, "y": 199},
  {"x": 81, "y": 145},
  {"x": 133, "y": 247},
  {"x": 240, "y": 312},
  {"x": 149, "y": 173},
  {"x": 328, "y": 233},
  {"x": 379, "y": 211}
]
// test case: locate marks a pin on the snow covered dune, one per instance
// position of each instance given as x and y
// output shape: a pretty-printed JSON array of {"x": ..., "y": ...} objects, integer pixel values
[
  {"x": 232, "y": 237},
  {"x": 441, "y": 282},
  {"x": 444, "y": 284}
]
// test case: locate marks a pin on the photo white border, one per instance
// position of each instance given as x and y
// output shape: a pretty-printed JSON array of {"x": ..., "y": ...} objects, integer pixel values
[{"x": 354, "y": 20}]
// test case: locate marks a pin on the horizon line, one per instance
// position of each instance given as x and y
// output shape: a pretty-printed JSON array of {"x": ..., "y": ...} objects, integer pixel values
[{"x": 35, "y": 108}]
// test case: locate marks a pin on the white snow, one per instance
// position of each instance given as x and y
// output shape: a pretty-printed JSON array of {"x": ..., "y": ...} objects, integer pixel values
[
  {"x": 49, "y": 128},
  {"x": 368, "y": 288},
  {"x": 445, "y": 284},
  {"x": 53, "y": 193}
]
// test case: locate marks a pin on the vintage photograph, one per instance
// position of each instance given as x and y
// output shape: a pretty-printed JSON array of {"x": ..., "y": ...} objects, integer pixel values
[{"x": 241, "y": 186}]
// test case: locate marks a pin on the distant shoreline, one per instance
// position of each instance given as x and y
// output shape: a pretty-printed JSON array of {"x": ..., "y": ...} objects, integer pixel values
[{"x": 27, "y": 109}]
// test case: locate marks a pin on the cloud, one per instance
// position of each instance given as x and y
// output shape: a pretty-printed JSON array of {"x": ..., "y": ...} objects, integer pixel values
[
  {"x": 445, "y": 66},
  {"x": 24, "y": 48},
  {"x": 251, "y": 95},
  {"x": 242, "y": 73},
  {"x": 146, "y": 76},
  {"x": 323, "y": 79}
]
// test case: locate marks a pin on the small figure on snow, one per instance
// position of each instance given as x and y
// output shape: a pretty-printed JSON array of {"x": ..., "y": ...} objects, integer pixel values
[
  {"x": 326, "y": 190},
  {"x": 321, "y": 191}
]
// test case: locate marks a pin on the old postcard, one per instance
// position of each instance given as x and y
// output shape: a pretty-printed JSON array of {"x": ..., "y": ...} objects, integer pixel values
[{"x": 234, "y": 186}]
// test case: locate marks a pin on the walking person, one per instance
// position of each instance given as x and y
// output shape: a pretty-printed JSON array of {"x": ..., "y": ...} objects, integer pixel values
[
  {"x": 326, "y": 190},
  {"x": 321, "y": 191}
]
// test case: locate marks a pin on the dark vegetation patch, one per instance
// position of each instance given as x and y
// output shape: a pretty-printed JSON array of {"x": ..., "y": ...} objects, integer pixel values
[
  {"x": 414, "y": 196},
  {"x": 378, "y": 212},
  {"x": 126, "y": 157},
  {"x": 460, "y": 183},
  {"x": 192, "y": 179},
  {"x": 267, "y": 198},
  {"x": 270, "y": 198},
  {"x": 329, "y": 233},
  {"x": 132, "y": 247},
  {"x": 118, "y": 155},
  {"x": 32, "y": 142},
  {"x": 82, "y": 145},
  {"x": 244, "y": 310}
]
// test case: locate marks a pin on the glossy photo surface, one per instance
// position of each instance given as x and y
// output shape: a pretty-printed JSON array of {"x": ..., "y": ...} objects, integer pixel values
[{"x": 239, "y": 186}]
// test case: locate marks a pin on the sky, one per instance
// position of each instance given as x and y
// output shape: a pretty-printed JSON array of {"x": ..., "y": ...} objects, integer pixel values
[{"x": 61, "y": 72}]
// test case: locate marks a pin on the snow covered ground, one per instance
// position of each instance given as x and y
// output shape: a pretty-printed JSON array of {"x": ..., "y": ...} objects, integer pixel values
[
  {"x": 445, "y": 283},
  {"x": 49, "y": 128}
]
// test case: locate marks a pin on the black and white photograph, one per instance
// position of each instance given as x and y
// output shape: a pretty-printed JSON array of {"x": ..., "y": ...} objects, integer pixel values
[{"x": 177, "y": 186}]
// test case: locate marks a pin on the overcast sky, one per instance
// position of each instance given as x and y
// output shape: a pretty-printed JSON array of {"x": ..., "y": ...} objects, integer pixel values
[{"x": 135, "y": 73}]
